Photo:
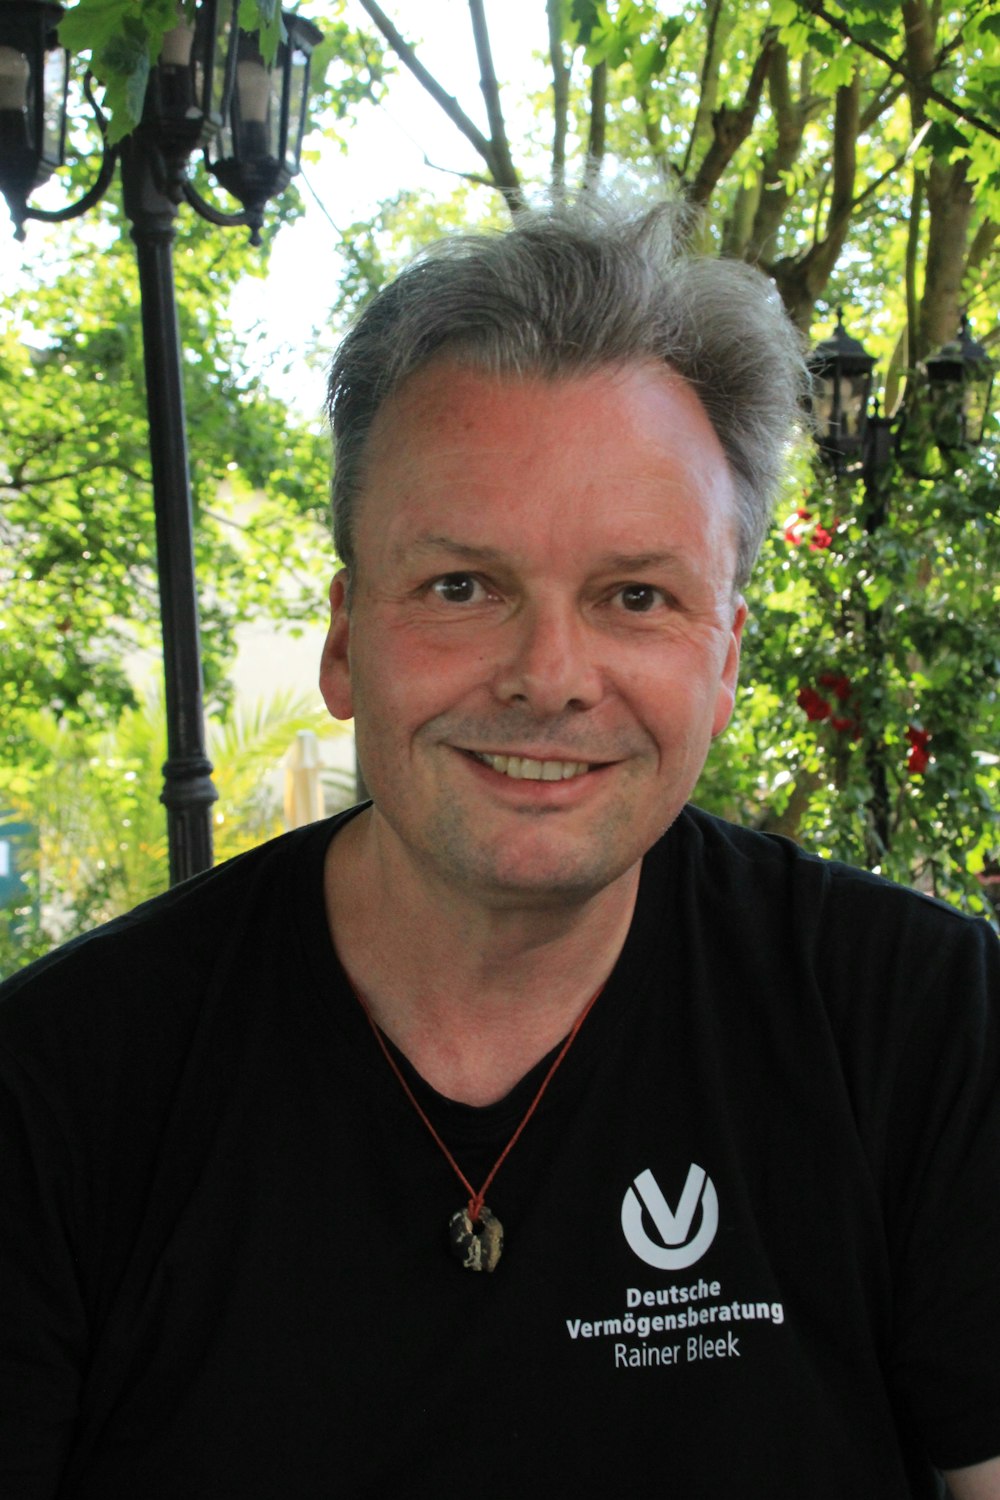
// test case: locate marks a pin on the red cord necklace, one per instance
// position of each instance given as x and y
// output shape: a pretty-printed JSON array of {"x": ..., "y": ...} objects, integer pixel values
[{"x": 478, "y": 1250}]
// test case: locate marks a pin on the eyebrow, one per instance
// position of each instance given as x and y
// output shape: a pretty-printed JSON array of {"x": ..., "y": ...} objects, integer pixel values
[
  {"x": 614, "y": 562},
  {"x": 466, "y": 550}
]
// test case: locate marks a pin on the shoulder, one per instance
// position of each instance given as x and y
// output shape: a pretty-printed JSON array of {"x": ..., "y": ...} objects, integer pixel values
[
  {"x": 140, "y": 979},
  {"x": 781, "y": 882},
  {"x": 872, "y": 952}
]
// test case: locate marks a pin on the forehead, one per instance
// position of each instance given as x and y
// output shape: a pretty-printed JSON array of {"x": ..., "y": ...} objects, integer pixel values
[{"x": 627, "y": 446}]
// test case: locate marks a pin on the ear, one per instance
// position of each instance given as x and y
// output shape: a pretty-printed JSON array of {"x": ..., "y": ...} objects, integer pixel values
[
  {"x": 726, "y": 696},
  {"x": 335, "y": 663}
]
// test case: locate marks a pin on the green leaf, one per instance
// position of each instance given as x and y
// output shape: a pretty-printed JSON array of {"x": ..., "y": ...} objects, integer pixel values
[
  {"x": 648, "y": 59},
  {"x": 92, "y": 24},
  {"x": 944, "y": 139},
  {"x": 264, "y": 17}
]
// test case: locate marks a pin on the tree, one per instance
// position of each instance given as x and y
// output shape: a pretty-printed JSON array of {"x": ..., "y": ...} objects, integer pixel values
[
  {"x": 854, "y": 155},
  {"x": 79, "y": 589},
  {"x": 852, "y": 151}
]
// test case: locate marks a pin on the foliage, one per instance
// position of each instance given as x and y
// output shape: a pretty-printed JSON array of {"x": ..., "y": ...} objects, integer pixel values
[
  {"x": 122, "y": 40},
  {"x": 869, "y": 715},
  {"x": 92, "y": 796},
  {"x": 78, "y": 588},
  {"x": 77, "y": 583},
  {"x": 850, "y": 149}
]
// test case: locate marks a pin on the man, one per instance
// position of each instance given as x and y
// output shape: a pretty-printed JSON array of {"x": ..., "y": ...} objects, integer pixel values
[{"x": 525, "y": 1130}]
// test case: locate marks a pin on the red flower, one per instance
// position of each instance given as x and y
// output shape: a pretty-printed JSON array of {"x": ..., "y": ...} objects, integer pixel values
[
  {"x": 803, "y": 514},
  {"x": 919, "y": 757},
  {"x": 815, "y": 707},
  {"x": 793, "y": 535},
  {"x": 838, "y": 684},
  {"x": 821, "y": 539}
]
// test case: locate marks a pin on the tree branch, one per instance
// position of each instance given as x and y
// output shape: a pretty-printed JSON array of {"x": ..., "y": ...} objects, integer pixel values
[
  {"x": 560, "y": 97},
  {"x": 501, "y": 164},
  {"x": 22, "y": 483},
  {"x": 732, "y": 126},
  {"x": 474, "y": 177},
  {"x": 984, "y": 242},
  {"x": 845, "y": 159},
  {"x": 816, "y": 8},
  {"x": 878, "y": 104},
  {"x": 800, "y": 279},
  {"x": 448, "y": 102},
  {"x": 790, "y": 117},
  {"x": 708, "y": 86},
  {"x": 898, "y": 161},
  {"x": 598, "y": 120},
  {"x": 910, "y": 266}
]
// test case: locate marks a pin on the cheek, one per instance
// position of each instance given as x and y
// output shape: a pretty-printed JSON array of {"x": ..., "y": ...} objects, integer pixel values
[
  {"x": 677, "y": 700},
  {"x": 401, "y": 679}
]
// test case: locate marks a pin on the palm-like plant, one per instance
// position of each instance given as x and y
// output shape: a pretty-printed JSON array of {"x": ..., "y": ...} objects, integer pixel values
[{"x": 92, "y": 797}]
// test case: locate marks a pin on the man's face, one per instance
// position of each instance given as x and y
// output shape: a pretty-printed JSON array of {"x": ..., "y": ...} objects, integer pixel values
[{"x": 542, "y": 637}]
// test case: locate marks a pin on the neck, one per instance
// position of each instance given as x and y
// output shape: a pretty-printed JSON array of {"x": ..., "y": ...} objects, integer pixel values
[{"x": 472, "y": 993}]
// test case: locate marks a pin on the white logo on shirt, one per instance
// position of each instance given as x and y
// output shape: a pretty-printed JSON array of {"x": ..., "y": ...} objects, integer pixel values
[{"x": 679, "y": 1248}]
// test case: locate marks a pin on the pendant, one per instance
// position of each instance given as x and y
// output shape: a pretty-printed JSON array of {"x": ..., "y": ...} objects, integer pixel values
[{"x": 477, "y": 1252}]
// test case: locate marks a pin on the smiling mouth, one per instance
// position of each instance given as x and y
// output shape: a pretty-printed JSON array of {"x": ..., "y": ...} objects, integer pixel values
[{"x": 523, "y": 768}]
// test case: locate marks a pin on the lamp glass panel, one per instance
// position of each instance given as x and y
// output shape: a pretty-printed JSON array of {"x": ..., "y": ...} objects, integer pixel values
[
  {"x": 54, "y": 106},
  {"x": 252, "y": 112},
  {"x": 18, "y": 117},
  {"x": 177, "y": 45},
  {"x": 15, "y": 75},
  {"x": 948, "y": 417},
  {"x": 298, "y": 83},
  {"x": 975, "y": 410},
  {"x": 853, "y": 402},
  {"x": 823, "y": 403},
  {"x": 959, "y": 402},
  {"x": 176, "y": 76},
  {"x": 215, "y": 96},
  {"x": 279, "y": 110}
]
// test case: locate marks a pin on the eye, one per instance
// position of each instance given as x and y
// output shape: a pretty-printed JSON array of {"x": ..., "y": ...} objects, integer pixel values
[
  {"x": 640, "y": 598},
  {"x": 459, "y": 588}
]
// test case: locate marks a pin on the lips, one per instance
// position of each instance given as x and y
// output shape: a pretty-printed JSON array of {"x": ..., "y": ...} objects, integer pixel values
[{"x": 524, "y": 768}]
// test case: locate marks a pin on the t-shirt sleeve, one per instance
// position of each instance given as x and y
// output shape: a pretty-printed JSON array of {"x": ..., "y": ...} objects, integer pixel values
[{"x": 943, "y": 1201}]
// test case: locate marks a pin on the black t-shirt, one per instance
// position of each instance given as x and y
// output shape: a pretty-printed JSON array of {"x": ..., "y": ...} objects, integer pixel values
[{"x": 752, "y": 1232}]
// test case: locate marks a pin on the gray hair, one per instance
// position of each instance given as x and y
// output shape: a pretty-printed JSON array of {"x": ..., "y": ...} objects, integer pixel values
[{"x": 567, "y": 290}]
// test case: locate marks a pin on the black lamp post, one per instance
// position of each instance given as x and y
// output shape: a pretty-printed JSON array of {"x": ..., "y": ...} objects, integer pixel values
[
  {"x": 853, "y": 435},
  {"x": 960, "y": 387},
  {"x": 848, "y": 432},
  {"x": 841, "y": 373},
  {"x": 197, "y": 89},
  {"x": 34, "y": 75}
]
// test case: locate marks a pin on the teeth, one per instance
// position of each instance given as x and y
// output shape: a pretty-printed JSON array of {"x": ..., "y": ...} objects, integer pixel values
[{"x": 521, "y": 768}]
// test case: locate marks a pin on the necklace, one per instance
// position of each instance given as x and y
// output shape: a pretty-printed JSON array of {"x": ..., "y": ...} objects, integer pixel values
[{"x": 478, "y": 1249}]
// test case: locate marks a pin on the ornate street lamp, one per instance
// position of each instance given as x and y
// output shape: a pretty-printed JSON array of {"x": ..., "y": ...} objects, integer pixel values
[
  {"x": 841, "y": 371},
  {"x": 260, "y": 149},
  {"x": 960, "y": 387},
  {"x": 202, "y": 87},
  {"x": 34, "y": 75}
]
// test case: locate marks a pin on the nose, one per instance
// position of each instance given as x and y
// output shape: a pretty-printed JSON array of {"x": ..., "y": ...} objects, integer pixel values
[{"x": 549, "y": 663}]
